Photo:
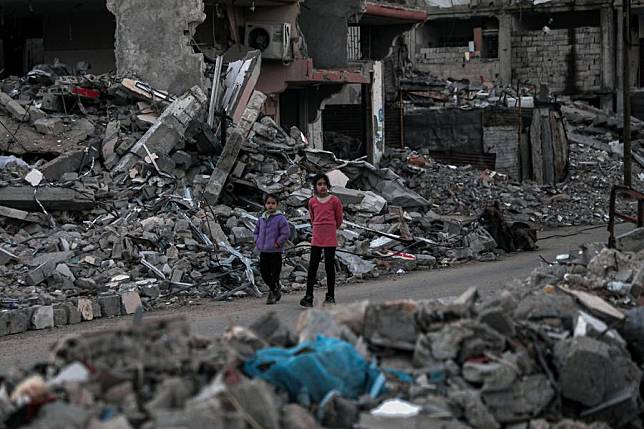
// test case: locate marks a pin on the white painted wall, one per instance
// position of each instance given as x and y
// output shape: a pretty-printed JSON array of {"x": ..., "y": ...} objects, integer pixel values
[{"x": 378, "y": 109}]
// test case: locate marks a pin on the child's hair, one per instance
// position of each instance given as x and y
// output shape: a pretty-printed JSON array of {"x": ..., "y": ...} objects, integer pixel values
[
  {"x": 273, "y": 196},
  {"x": 319, "y": 177}
]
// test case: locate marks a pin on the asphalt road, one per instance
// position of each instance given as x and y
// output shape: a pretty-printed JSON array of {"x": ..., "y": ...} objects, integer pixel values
[{"x": 213, "y": 318}]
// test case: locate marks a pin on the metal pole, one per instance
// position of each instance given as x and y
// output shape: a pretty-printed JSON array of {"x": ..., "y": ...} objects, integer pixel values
[{"x": 626, "y": 8}]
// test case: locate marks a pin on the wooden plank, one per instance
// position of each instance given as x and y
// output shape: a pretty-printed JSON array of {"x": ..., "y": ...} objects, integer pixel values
[
  {"x": 595, "y": 303},
  {"x": 547, "y": 148},
  {"x": 535, "y": 147},
  {"x": 52, "y": 198},
  {"x": 560, "y": 142},
  {"x": 524, "y": 156},
  {"x": 145, "y": 91}
]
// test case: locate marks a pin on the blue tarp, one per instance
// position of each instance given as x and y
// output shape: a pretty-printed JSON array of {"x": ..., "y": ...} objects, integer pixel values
[{"x": 314, "y": 368}]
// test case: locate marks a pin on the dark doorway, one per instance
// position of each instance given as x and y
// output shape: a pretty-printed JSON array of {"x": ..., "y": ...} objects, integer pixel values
[
  {"x": 343, "y": 128},
  {"x": 22, "y": 43}
]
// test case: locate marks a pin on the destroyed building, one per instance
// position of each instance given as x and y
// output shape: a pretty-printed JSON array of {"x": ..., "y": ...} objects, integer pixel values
[
  {"x": 573, "y": 48},
  {"x": 310, "y": 51}
]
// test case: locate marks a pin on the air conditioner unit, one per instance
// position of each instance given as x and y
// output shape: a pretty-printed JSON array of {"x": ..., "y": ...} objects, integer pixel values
[{"x": 273, "y": 39}]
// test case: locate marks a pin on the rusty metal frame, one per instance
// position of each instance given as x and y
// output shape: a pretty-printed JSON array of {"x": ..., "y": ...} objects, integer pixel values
[{"x": 629, "y": 194}]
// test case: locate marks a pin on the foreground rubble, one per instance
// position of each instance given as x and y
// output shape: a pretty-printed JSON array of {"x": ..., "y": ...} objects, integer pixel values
[{"x": 560, "y": 349}]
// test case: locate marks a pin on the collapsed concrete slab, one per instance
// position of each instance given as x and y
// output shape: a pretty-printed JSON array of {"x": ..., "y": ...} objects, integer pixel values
[
  {"x": 13, "y": 107},
  {"x": 233, "y": 146},
  {"x": 593, "y": 371},
  {"x": 171, "y": 127},
  {"x": 158, "y": 50},
  {"x": 52, "y": 198}
]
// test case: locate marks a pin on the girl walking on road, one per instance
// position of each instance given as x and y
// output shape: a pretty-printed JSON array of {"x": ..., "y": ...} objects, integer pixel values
[
  {"x": 325, "y": 211},
  {"x": 271, "y": 233}
]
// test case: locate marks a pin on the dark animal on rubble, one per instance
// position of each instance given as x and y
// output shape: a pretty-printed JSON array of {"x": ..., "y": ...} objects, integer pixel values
[
  {"x": 518, "y": 236},
  {"x": 524, "y": 236}
]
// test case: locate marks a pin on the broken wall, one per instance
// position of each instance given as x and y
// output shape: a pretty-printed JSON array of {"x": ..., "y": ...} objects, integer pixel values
[
  {"x": 449, "y": 63},
  {"x": 153, "y": 41},
  {"x": 325, "y": 26},
  {"x": 567, "y": 60}
]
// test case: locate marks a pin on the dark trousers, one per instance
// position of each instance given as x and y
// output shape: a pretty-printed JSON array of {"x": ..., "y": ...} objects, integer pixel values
[
  {"x": 270, "y": 266},
  {"x": 329, "y": 266}
]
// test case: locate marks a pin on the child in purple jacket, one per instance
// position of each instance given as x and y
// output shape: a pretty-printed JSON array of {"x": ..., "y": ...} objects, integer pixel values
[{"x": 271, "y": 233}]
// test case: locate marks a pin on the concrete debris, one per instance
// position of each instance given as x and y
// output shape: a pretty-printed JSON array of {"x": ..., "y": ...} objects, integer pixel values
[
  {"x": 133, "y": 203},
  {"x": 516, "y": 357},
  {"x": 461, "y": 190}
]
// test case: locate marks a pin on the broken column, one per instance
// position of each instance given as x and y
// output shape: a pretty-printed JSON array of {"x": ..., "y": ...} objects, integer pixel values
[
  {"x": 233, "y": 146},
  {"x": 158, "y": 50},
  {"x": 168, "y": 131}
]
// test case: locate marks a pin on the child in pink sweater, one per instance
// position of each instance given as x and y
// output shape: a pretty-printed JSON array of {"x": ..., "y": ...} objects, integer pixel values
[{"x": 325, "y": 211}]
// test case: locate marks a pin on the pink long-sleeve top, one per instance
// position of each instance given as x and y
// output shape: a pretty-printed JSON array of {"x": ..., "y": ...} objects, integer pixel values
[{"x": 326, "y": 219}]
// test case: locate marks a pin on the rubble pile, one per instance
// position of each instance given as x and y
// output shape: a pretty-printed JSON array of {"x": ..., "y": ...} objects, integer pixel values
[
  {"x": 546, "y": 352},
  {"x": 582, "y": 199},
  {"x": 116, "y": 196},
  {"x": 594, "y": 128}
]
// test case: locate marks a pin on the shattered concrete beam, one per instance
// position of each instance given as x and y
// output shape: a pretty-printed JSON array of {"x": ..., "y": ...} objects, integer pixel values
[
  {"x": 169, "y": 129},
  {"x": 13, "y": 107},
  {"x": 229, "y": 156},
  {"x": 52, "y": 198},
  {"x": 159, "y": 50},
  {"x": 23, "y": 215}
]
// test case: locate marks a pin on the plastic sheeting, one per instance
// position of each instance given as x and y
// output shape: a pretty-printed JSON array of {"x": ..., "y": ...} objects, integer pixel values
[{"x": 312, "y": 369}]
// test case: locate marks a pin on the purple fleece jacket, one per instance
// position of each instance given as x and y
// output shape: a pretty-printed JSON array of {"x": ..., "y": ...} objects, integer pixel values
[{"x": 270, "y": 230}]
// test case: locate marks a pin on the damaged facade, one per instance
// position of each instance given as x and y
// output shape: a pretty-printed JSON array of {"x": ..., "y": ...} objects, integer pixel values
[
  {"x": 573, "y": 48},
  {"x": 310, "y": 51}
]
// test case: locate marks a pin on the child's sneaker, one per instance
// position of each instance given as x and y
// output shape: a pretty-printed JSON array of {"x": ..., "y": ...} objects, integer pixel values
[
  {"x": 329, "y": 300},
  {"x": 278, "y": 294},
  {"x": 271, "y": 299},
  {"x": 307, "y": 301}
]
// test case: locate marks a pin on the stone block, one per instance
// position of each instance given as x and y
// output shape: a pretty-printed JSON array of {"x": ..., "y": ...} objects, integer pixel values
[
  {"x": 392, "y": 324},
  {"x": 60, "y": 316},
  {"x": 65, "y": 163},
  {"x": 271, "y": 329},
  {"x": 40, "y": 273},
  {"x": 130, "y": 301},
  {"x": 53, "y": 126},
  {"x": 36, "y": 114},
  {"x": 498, "y": 319},
  {"x": 526, "y": 399},
  {"x": 110, "y": 305},
  {"x": 13, "y": 322},
  {"x": 96, "y": 310},
  {"x": 42, "y": 317},
  {"x": 150, "y": 291},
  {"x": 591, "y": 371},
  {"x": 242, "y": 235},
  {"x": 85, "y": 308},
  {"x": 13, "y": 107},
  {"x": 348, "y": 196},
  {"x": 73, "y": 314},
  {"x": 63, "y": 270}
]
